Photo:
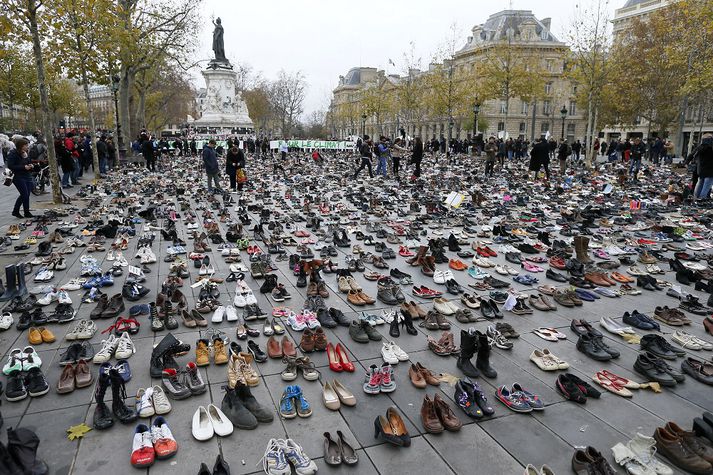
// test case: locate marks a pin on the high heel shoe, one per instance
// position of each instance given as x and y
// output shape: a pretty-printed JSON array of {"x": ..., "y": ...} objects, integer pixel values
[
  {"x": 343, "y": 358},
  {"x": 408, "y": 323},
  {"x": 394, "y": 327},
  {"x": 384, "y": 431},
  {"x": 334, "y": 359}
]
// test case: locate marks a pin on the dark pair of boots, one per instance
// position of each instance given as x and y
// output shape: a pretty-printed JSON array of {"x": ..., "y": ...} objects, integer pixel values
[
  {"x": 581, "y": 248},
  {"x": 14, "y": 283},
  {"x": 102, "y": 415},
  {"x": 221, "y": 467},
  {"x": 162, "y": 356},
  {"x": 243, "y": 410},
  {"x": 405, "y": 320},
  {"x": 472, "y": 342},
  {"x": 19, "y": 457}
]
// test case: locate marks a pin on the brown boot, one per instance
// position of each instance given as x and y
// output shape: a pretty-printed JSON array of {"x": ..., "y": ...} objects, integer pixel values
[
  {"x": 581, "y": 248},
  {"x": 428, "y": 266},
  {"x": 415, "y": 260},
  {"x": 220, "y": 352},
  {"x": 202, "y": 353}
]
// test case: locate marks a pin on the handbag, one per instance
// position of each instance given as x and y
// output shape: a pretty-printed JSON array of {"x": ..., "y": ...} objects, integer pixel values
[{"x": 8, "y": 175}]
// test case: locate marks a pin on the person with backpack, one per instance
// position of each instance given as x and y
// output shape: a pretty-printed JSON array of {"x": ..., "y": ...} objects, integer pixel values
[{"x": 365, "y": 153}]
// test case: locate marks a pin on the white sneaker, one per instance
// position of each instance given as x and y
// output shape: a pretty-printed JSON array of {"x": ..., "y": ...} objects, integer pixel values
[
  {"x": 439, "y": 277},
  {"x": 124, "y": 347},
  {"x": 74, "y": 284},
  {"x": 110, "y": 255},
  {"x": 63, "y": 297},
  {"x": 6, "y": 321},
  {"x": 107, "y": 350},
  {"x": 239, "y": 300},
  {"x": 387, "y": 353},
  {"x": 48, "y": 298},
  {"x": 144, "y": 406},
  {"x": 230, "y": 314},
  {"x": 160, "y": 402},
  {"x": 218, "y": 315},
  {"x": 294, "y": 453},
  {"x": 250, "y": 298},
  {"x": 398, "y": 352}
]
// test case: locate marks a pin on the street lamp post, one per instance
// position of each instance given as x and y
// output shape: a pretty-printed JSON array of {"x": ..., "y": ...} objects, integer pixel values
[
  {"x": 119, "y": 136},
  {"x": 563, "y": 114},
  {"x": 476, "y": 110},
  {"x": 363, "y": 125}
]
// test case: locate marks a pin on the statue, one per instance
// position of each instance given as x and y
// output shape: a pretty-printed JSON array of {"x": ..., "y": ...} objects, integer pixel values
[{"x": 218, "y": 45}]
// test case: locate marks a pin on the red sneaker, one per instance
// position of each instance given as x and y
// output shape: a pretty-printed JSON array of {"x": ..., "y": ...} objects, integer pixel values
[{"x": 142, "y": 451}]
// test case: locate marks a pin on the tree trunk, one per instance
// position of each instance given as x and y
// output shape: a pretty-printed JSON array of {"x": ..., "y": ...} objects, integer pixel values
[
  {"x": 44, "y": 101},
  {"x": 92, "y": 125},
  {"x": 124, "y": 109},
  {"x": 590, "y": 131}
]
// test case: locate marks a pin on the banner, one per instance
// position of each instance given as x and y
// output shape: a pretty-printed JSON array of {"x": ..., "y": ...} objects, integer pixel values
[{"x": 312, "y": 144}]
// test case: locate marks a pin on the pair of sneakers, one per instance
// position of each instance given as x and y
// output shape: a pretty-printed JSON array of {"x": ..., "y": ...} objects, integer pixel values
[
  {"x": 293, "y": 403},
  {"x": 121, "y": 348},
  {"x": 281, "y": 454},
  {"x": 380, "y": 380},
  {"x": 156, "y": 442},
  {"x": 228, "y": 312}
]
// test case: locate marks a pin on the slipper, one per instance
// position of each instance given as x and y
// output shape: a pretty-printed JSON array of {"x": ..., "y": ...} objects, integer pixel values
[
  {"x": 547, "y": 289},
  {"x": 601, "y": 379},
  {"x": 545, "y": 334}
]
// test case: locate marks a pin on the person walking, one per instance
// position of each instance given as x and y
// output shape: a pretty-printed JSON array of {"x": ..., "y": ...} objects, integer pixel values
[
  {"x": 18, "y": 161},
  {"x": 603, "y": 148},
  {"x": 65, "y": 160},
  {"x": 148, "y": 152},
  {"x": 577, "y": 148},
  {"x": 210, "y": 162},
  {"x": 416, "y": 157},
  {"x": 491, "y": 151},
  {"x": 234, "y": 159},
  {"x": 636, "y": 154},
  {"x": 365, "y": 153},
  {"x": 103, "y": 154},
  {"x": 704, "y": 159}
]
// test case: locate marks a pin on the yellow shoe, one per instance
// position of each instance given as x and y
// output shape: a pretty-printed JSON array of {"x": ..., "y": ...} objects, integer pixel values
[
  {"x": 47, "y": 335},
  {"x": 202, "y": 353},
  {"x": 34, "y": 336},
  {"x": 220, "y": 352}
]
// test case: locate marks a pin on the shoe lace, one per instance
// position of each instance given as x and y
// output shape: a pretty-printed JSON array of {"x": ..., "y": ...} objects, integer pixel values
[
  {"x": 272, "y": 452},
  {"x": 375, "y": 378},
  {"x": 386, "y": 373},
  {"x": 159, "y": 432}
]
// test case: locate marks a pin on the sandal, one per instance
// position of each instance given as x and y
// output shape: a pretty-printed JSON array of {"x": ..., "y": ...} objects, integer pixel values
[{"x": 601, "y": 379}]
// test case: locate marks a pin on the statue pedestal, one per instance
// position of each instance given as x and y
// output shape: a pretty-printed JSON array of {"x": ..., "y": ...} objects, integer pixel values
[{"x": 223, "y": 108}]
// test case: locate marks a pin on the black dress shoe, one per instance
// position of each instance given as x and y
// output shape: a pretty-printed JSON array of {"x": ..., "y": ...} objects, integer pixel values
[
  {"x": 589, "y": 347},
  {"x": 550, "y": 274}
]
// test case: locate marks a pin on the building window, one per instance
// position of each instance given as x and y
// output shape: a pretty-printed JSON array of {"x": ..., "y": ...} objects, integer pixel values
[
  {"x": 523, "y": 127},
  {"x": 570, "y": 132},
  {"x": 546, "y": 107},
  {"x": 550, "y": 64},
  {"x": 503, "y": 107},
  {"x": 574, "y": 90},
  {"x": 501, "y": 126},
  {"x": 544, "y": 128},
  {"x": 548, "y": 88},
  {"x": 572, "y": 108},
  {"x": 525, "y": 107}
]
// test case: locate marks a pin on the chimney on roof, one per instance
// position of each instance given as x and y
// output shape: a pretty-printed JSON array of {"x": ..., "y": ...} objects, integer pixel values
[{"x": 547, "y": 23}]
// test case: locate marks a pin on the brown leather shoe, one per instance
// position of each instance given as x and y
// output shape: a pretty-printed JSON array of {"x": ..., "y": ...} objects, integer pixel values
[
  {"x": 429, "y": 418},
  {"x": 448, "y": 418},
  {"x": 428, "y": 375},
  {"x": 320, "y": 339},
  {"x": 274, "y": 349},
  {"x": 416, "y": 378},
  {"x": 538, "y": 303},
  {"x": 596, "y": 279},
  {"x": 47, "y": 335},
  {"x": 708, "y": 325},
  {"x": 66, "y": 380},
  {"x": 288, "y": 348},
  {"x": 607, "y": 279},
  {"x": 83, "y": 375},
  {"x": 366, "y": 298},
  {"x": 307, "y": 342},
  {"x": 322, "y": 290},
  {"x": 34, "y": 337},
  {"x": 354, "y": 298},
  {"x": 220, "y": 351},
  {"x": 115, "y": 307},
  {"x": 672, "y": 447},
  {"x": 692, "y": 441},
  {"x": 418, "y": 309},
  {"x": 428, "y": 266},
  {"x": 202, "y": 353},
  {"x": 312, "y": 289}
]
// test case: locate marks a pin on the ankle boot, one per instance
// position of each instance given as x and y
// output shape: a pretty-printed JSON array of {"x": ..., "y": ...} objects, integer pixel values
[
  {"x": 483, "y": 361},
  {"x": 118, "y": 394},
  {"x": 156, "y": 364},
  {"x": 21, "y": 287},
  {"x": 102, "y": 415},
  {"x": 415, "y": 260},
  {"x": 428, "y": 266},
  {"x": 394, "y": 327},
  {"x": 407, "y": 322},
  {"x": 11, "y": 284},
  {"x": 261, "y": 413},
  {"x": 580, "y": 246},
  {"x": 468, "y": 347}
]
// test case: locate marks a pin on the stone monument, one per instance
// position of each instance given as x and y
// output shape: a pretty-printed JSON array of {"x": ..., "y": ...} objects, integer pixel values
[{"x": 223, "y": 108}]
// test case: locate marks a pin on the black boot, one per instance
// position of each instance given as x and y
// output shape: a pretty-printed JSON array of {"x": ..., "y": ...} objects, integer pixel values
[
  {"x": 483, "y": 361},
  {"x": 204, "y": 470},
  {"x": 236, "y": 411},
  {"x": 21, "y": 287},
  {"x": 468, "y": 347},
  {"x": 408, "y": 324},
  {"x": 102, "y": 414},
  {"x": 221, "y": 467},
  {"x": 11, "y": 282},
  {"x": 156, "y": 364},
  {"x": 2, "y": 288},
  {"x": 394, "y": 327},
  {"x": 261, "y": 413},
  {"x": 118, "y": 394}
]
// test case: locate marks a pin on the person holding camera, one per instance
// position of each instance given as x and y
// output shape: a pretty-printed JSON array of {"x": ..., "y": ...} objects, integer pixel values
[{"x": 18, "y": 160}]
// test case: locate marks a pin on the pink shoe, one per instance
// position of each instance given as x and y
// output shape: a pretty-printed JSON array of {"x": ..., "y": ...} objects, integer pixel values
[{"x": 531, "y": 267}]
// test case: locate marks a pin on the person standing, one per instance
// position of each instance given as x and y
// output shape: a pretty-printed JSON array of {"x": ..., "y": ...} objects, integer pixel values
[
  {"x": 193, "y": 147},
  {"x": 65, "y": 160},
  {"x": 210, "y": 162},
  {"x": 148, "y": 152},
  {"x": 603, "y": 148},
  {"x": 416, "y": 157},
  {"x": 540, "y": 157},
  {"x": 562, "y": 153},
  {"x": 576, "y": 148},
  {"x": 636, "y": 154},
  {"x": 365, "y": 153},
  {"x": 382, "y": 155},
  {"x": 18, "y": 161},
  {"x": 234, "y": 159},
  {"x": 396, "y": 155},
  {"x": 704, "y": 159},
  {"x": 283, "y": 150},
  {"x": 491, "y": 151},
  {"x": 103, "y": 154}
]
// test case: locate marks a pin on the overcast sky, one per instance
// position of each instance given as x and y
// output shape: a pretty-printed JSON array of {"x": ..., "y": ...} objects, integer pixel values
[{"x": 325, "y": 38}]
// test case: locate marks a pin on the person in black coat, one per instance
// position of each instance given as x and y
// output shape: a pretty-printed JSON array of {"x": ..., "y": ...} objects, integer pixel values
[
  {"x": 18, "y": 161},
  {"x": 540, "y": 157},
  {"x": 704, "y": 159},
  {"x": 417, "y": 157},
  {"x": 234, "y": 160},
  {"x": 149, "y": 154}
]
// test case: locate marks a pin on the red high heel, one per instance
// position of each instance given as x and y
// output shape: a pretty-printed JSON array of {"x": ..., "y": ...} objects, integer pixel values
[
  {"x": 333, "y": 358},
  {"x": 344, "y": 358}
]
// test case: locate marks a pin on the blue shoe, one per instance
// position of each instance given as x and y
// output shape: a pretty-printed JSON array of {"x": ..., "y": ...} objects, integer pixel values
[
  {"x": 287, "y": 406},
  {"x": 140, "y": 309},
  {"x": 585, "y": 295},
  {"x": 107, "y": 280},
  {"x": 303, "y": 407},
  {"x": 532, "y": 400},
  {"x": 93, "y": 282},
  {"x": 635, "y": 320}
]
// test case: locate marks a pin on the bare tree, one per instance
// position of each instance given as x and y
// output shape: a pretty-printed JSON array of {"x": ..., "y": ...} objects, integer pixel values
[{"x": 287, "y": 94}]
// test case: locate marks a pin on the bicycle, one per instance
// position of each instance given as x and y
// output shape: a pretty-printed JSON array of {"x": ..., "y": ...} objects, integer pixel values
[{"x": 42, "y": 179}]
